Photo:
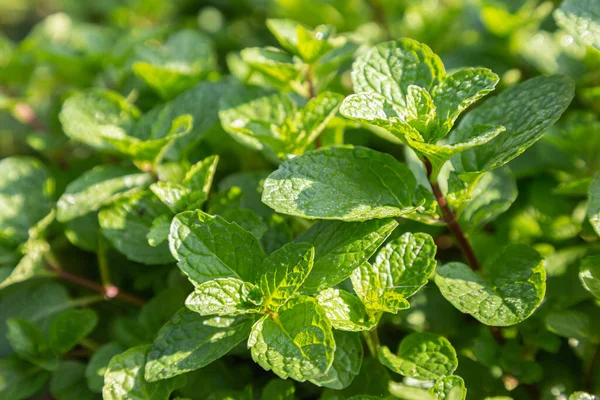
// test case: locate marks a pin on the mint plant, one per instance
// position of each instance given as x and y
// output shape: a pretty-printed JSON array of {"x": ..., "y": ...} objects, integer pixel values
[{"x": 399, "y": 201}]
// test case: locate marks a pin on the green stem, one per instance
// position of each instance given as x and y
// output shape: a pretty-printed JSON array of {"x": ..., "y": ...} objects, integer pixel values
[
  {"x": 103, "y": 262},
  {"x": 372, "y": 340}
]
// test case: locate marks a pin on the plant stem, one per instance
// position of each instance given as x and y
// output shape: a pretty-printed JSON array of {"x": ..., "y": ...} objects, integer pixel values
[
  {"x": 109, "y": 292},
  {"x": 311, "y": 85},
  {"x": 452, "y": 223},
  {"x": 372, "y": 339},
  {"x": 103, "y": 262}
]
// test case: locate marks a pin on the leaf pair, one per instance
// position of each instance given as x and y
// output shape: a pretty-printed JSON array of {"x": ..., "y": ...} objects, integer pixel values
[
  {"x": 273, "y": 122},
  {"x": 403, "y": 88}
]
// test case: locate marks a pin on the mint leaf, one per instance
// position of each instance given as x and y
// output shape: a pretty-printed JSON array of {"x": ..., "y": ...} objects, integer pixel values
[
  {"x": 247, "y": 219},
  {"x": 88, "y": 117},
  {"x": 159, "y": 230},
  {"x": 340, "y": 247},
  {"x": 278, "y": 389},
  {"x": 589, "y": 275},
  {"x": 593, "y": 211},
  {"x": 174, "y": 195},
  {"x": 277, "y": 65},
  {"x": 347, "y": 361},
  {"x": 283, "y": 272},
  {"x": 345, "y": 311},
  {"x": 190, "y": 341},
  {"x": 330, "y": 184},
  {"x": 582, "y": 396},
  {"x": 526, "y": 110},
  {"x": 279, "y": 342},
  {"x": 571, "y": 324},
  {"x": 31, "y": 265},
  {"x": 20, "y": 379},
  {"x": 30, "y": 344},
  {"x": 309, "y": 45},
  {"x": 581, "y": 18},
  {"x": 126, "y": 223},
  {"x": 449, "y": 388},
  {"x": 25, "y": 197},
  {"x": 178, "y": 64},
  {"x": 223, "y": 296},
  {"x": 423, "y": 356},
  {"x": 68, "y": 382},
  {"x": 124, "y": 378},
  {"x": 95, "y": 188},
  {"x": 391, "y": 67},
  {"x": 200, "y": 176},
  {"x": 69, "y": 327},
  {"x": 208, "y": 247},
  {"x": 513, "y": 287},
  {"x": 98, "y": 363}
]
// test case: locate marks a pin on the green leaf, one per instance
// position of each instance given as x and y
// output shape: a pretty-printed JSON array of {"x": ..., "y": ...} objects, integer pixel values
[
  {"x": 159, "y": 231},
  {"x": 526, "y": 110},
  {"x": 96, "y": 367},
  {"x": 208, "y": 247},
  {"x": 84, "y": 232},
  {"x": 570, "y": 324},
  {"x": 176, "y": 196},
  {"x": 513, "y": 287},
  {"x": 581, "y": 18},
  {"x": 340, "y": 247},
  {"x": 589, "y": 275},
  {"x": 283, "y": 273},
  {"x": 20, "y": 379},
  {"x": 190, "y": 341},
  {"x": 273, "y": 122},
  {"x": 31, "y": 265},
  {"x": 185, "y": 58},
  {"x": 456, "y": 92},
  {"x": 279, "y": 343},
  {"x": 345, "y": 311},
  {"x": 309, "y": 45},
  {"x": 278, "y": 389},
  {"x": 124, "y": 378},
  {"x": 582, "y": 396},
  {"x": 200, "y": 176},
  {"x": 450, "y": 388},
  {"x": 36, "y": 301},
  {"x": 96, "y": 187},
  {"x": 29, "y": 343},
  {"x": 423, "y": 356},
  {"x": 247, "y": 219},
  {"x": 88, "y": 117},
  {"x": 593, "y": 211},
  {"x": 126, "y": 223},
  {"x": 347, "y": 361},
  {"x": 341, "y": 183},
  {"x": 69, "y": 327},
  {"x": 224, "y": 296},
  {"x": 25, "y": 197},
  {"x": 68, "y": 382},
  {"x": 277, "y": 65},
  {"x": 391, "y": 67}
]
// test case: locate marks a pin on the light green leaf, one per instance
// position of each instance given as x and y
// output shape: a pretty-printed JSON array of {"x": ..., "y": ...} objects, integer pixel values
[
  {"x": 68, "y": 382},
  {"x": 340, "y": 247},
  {"x": 200, "y": 176},
  {"x": 25, "y": 197},
  {"x": 526, "y": 110},
  {"x": 31, "y": 265},
  {"x": 351, "y": 184},
  {"x": 582, "y": 396},
  {"x": 589, "y": 275},
  {"x": 347, "y": 361},
  {"x": 69, "y": 327},
  {"x": 345, "y": 311},
  {"x": 593, "y": 211},
  {"x": 581, "y": 18},
  {"x": 391, "y": 67},
  {"x": 285, "y": 31},
  {"x": 283, "y": 272},
  {"x": 124, "y": 378},
  {"x": 126, "y": 223},
  {"x": 174, "y": 195},
  {"x": 309, "y": 45},
  {"x": 247, "y": 219},
  {"x": 159, "y": 231},
  {"x": 456, "y": 92},
  {"x": 277, "y": 65},
  {"x": 30, "y": 344},
  {"x": 449, "y": 388},
  {"x": 208, "y": 247},
  {"x": 278, "y": 389},
  {"x": 190, "y": 341},
  {"x": 513, "y": 287},
  {"x": 423, "y": 356},
  {"x": 185, "y": 58},
  {"x": 89, "y": 117},
  {"x": 96, "y": 367},
  {"x": 20, "y": 379},
  {"x": 297, "y": 342},
  {"x": 224, "y": 296},
  {"x": 96, "y": 187}
]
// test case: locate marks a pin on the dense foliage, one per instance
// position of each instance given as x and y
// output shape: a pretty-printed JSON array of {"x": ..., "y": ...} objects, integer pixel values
[{"x": 300, "y": 199}]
